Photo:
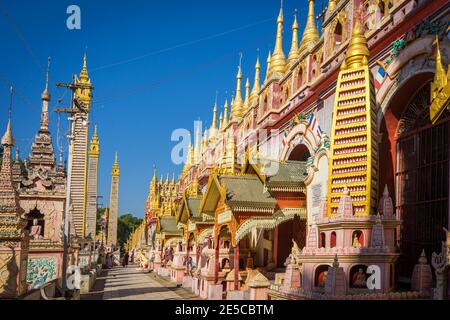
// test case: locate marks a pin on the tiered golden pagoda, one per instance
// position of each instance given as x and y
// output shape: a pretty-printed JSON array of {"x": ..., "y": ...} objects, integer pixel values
[
  {"x": 254, "y": 96},
  {"x": 354, "y": 147},
  {"x": 247, "y": 96},
  {"x": 310, "y": 35},
  {"x": 294, "y": 53},
  {"x": 278, "y": 64},
  {"x": 238, "y": 104},
  {"x": 440, "y": 89}
]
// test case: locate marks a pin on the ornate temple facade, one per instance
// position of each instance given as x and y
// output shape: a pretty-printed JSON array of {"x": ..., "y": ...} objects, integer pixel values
[
  {"x": 34, "y": 193},
  {"x": 328, "y": 177}
]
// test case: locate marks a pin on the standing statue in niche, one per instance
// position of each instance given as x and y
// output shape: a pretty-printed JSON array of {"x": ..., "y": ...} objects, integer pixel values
[{"x": 36, "y": 231}]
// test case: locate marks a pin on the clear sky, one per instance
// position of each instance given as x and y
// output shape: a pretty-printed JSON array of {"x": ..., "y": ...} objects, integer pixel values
[{"x": 155, "y": 66}]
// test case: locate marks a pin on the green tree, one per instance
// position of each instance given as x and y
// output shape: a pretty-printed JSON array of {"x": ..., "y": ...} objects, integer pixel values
[{"x": 127, "y": 224}]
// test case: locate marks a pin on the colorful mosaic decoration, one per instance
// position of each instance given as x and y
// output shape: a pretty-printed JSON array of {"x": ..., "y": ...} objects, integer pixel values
[{"x": 41, "y": 271}]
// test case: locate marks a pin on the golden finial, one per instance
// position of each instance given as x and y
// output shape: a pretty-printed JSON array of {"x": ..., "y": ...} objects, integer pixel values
[
  {"x": 247, "y": 95},
  {"x": 331, "y": 7},
  {"x": 236, "y": 107},
  {"x": 84, "y": 75},
  {"x": 116, "y": 169},
  {"x": 94, "y": 148},
  {"x": 269, "y": 62},
  {"x": 225, "y": 115},
  {"x": 294, "y": 53},
  {"x": 310, "y": 35},
  {"x": 358, "y": 52},
  {"x": 220, "y": 122},
  {"x": 278, "y": 60},
  {"x": 257, "y": 83},
  {"x": 213, "y": 129}
]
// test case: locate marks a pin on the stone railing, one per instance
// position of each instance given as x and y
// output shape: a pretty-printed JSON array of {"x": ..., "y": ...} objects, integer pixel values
[{"x": 50, "y": 291}]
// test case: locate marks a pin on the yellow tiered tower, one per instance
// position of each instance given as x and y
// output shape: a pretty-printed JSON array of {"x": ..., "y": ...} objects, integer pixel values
[
  {"x": 354, "y": 147},
  {"x": 83, "y": 96}
]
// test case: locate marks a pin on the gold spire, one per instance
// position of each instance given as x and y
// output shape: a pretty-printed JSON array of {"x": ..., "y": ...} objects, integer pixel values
[
  {"x": 247, "y": 96},
  {"x": 331, "y": 7},
  {"x": 358, "y": 52},
  {"x": 225, "y": 115},
  {"x": 84, "y": 75},
  {"x": 269, "y": 62},
  {"x": 257, "y": 83},
  {"x": 220, "y": 122},
  {"x": 94, "y": 148},
  {"x": 440, "y": 88},
  {"x": 116, "y": 169},
  {"x": 213, "y": 129},
  {"x": 83, "y": 93},
  {"x": 278, "y": 60},
  {"x": 310, "y": 35},
  {"x": 205, "y": 140},
  {"x": 236, "y": 107},
  {"x": 154, "y": 179},
  {"x": 294, "y": 53}
]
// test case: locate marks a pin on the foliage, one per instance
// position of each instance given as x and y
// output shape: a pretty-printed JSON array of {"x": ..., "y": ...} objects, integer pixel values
[{"x": 127, "y": 224}]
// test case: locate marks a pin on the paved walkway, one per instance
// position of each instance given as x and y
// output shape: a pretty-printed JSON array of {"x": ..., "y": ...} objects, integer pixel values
[{"x": 131, "y": 284}]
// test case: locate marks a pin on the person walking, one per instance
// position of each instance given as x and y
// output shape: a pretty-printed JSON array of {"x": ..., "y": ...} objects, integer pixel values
[{"x": 125, "y": 260}]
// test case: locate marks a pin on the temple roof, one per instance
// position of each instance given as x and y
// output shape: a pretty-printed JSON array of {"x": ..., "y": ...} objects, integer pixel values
[
  {"x": 289, "y": 172},
  {"x": 168, "y": 225},
  {"x": 246, "y": 189}
]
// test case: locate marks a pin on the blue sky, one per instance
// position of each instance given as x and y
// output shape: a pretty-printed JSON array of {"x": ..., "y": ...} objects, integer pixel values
[{"x": 155, "y": 65}]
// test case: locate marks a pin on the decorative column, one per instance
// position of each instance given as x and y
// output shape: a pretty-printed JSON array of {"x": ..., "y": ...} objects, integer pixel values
[
  {"x": 114, "y": 205},
  {"x": 217, "y": 263},
  {"x": 236, "y": 267},
  {"x": 14, "y": 239},
  {"x": 92, "y": 187}
]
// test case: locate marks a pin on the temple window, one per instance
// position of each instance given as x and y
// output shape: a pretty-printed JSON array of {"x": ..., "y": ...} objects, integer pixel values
[
  {"x": 380, "y": 11},
  {"x": 300, "y": 78},
  {"x": 226, "y": 244},
  {"x": 358, "y": 277},
  {"x": 282, "y": 100},
  {"x": 225, "y": 263},
  {"x": 36, "y": 224},
  {"x": 358, "y": 239},
  {"x": 333, "y": 240},
  {"x": 323, "y": 239},
  {"x": 321, "y": 276},
  {"x": 338, "y": 34},
  {"x": 264, "y": 106}
]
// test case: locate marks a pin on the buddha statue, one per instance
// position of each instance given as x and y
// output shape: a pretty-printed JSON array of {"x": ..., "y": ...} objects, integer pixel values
[
  {"x": 36, "y": 231},
  {"x": 359, "y": 279},
  {"x": 356, "y": 243}
]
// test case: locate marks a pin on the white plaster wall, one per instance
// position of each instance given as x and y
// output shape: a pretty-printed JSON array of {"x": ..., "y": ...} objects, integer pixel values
[{"x": 317, "y": 190}]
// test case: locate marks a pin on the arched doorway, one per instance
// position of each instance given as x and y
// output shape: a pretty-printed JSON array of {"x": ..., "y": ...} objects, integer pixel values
[
  {"x": 422, "y": 181},
  {"x": 414, "y": 153},
  {"x": 299, "y": 153}
]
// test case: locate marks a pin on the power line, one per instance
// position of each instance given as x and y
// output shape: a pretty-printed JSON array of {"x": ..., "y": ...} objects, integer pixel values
[
  {"x": 22, "y": 39},
  {"x": 181, "y": 45}
]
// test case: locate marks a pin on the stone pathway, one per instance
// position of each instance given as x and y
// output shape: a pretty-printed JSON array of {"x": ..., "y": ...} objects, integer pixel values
[{"x": 131, "y": 284}]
